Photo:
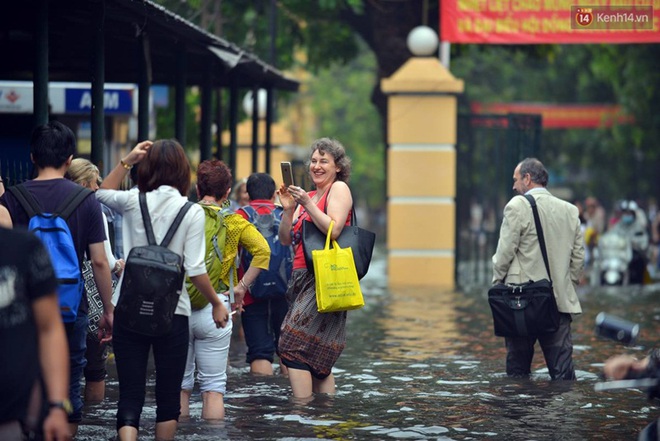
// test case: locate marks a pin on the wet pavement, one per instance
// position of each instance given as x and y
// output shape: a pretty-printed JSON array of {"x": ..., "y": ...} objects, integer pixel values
[{"x": 424, "y": 364}]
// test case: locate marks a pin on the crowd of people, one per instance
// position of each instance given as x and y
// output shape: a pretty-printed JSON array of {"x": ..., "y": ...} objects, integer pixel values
[
  {"x": 241, "y": 255},
  {"x": 638, "y": 230},
  {"x": 224, "y": 250}
]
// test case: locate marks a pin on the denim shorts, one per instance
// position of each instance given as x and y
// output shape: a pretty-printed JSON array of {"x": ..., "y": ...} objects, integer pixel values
[
  {"x": 261, "y": 325},
  {"x": 76, "y": 333}
]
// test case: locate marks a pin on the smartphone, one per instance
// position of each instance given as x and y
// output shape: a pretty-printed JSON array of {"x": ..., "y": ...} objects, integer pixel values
[{"x": 287, "y": 173}]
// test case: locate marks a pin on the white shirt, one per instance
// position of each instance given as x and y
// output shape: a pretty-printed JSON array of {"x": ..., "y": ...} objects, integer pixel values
[
  {"x": 106, "y": 244},
  {"x": 164, "y": 204}
]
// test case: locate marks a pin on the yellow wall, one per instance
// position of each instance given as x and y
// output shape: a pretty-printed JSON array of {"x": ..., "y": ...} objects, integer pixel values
[
  {"x": 421, "y": 119},
  {"x": 280, "y": 136},
  {"x": 421, "y": 270},
  {"x": 412, "y": 172},
  {"x": 244, "y": 163},
  {"x": 421, "y": 225},
  {"x": 421, "y": 173}
]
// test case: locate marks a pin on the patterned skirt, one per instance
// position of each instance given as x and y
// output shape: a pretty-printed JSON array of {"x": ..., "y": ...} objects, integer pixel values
[{"x": 307, "y": 336}]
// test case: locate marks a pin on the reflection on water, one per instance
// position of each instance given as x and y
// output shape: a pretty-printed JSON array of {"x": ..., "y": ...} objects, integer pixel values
[{"x": 424, "y": 364}]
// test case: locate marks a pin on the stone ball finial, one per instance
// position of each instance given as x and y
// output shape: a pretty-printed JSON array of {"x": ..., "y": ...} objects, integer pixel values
[{"x": 423, "y": 41}]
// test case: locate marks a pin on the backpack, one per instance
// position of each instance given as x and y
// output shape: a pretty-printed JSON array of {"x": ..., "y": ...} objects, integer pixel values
[
  {"x": 152, "y": 281},
  {"x": 54, "y": 232},
  {"x": 215, "y": 232},
  {"x": 272, "y": 283}
]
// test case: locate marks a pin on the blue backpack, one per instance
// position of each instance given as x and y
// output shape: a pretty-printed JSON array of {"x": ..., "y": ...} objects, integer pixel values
[
  {"x": 272, "y": 283},
  {"x": 54, "y": 232}
]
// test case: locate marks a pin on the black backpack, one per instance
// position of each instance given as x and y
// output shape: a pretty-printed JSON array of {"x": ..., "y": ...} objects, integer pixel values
[{"x": 153, "y": 278}]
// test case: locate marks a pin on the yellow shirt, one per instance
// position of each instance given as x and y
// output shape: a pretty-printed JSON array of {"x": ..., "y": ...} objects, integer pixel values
[{"x": 241, "y": 232}]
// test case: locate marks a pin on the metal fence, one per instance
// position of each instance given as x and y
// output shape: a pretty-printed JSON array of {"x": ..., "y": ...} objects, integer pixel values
[
  {"x": 488, "y": 149},
  {"x": 15, "y": 171}
]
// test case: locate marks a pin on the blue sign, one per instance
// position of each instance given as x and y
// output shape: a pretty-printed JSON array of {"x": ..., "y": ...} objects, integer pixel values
[{"x": 115, "y": 101}]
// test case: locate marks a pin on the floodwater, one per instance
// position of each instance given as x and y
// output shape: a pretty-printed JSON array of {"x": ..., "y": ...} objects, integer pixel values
[{"x": 424, "y": 364}]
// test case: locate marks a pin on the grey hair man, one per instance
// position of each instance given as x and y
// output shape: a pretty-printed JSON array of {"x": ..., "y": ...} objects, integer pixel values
[{"x": 518, "y": 259}]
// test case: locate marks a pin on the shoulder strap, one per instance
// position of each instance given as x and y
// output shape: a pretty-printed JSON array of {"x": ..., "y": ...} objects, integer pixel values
[
  {"x": 250, "y": 211},
  {"x": 71, "y": 203},
  {"x": 325, "y": 208},
  {"x": 539, "y": 232},
  {"x": 27, "y": 201},
  {"x": 146, "y": 219},
  {"x": 214, "y": 240},
  {"x": 175, "y": 224}
]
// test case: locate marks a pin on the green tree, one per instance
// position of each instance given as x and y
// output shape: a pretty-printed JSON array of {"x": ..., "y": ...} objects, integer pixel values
[
  {"x": 336, "y": 94},
  {"x": 326, "y": 30},
  {"x": 611, "y": 162}
]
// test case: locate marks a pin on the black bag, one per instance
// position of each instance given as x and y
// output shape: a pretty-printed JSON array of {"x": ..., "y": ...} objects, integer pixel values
[
  {"x": 360, "y": 240},
  {"x": 152, "y": 281},
  {"x": 526, "y": 309}
]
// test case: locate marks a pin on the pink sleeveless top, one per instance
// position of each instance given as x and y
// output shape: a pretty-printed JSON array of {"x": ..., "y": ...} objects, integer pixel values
[{"x": 296, "y": 230}]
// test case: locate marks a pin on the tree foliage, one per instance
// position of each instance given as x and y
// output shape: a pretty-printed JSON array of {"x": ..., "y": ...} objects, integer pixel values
[{"x": 611, "y": 162}]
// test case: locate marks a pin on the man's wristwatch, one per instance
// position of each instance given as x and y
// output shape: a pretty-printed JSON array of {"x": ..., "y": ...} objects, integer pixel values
[{"x": 65, "y": 405}]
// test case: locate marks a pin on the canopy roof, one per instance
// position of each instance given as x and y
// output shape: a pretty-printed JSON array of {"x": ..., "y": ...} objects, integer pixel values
[{"x": 71, "y": 31}]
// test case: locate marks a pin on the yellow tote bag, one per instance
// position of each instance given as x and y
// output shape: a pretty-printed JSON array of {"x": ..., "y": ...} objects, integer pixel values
[{"x": 337, "y": 284}]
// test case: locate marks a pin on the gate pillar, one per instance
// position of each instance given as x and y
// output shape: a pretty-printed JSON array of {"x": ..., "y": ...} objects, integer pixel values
[{"x": 421, "y": 170}]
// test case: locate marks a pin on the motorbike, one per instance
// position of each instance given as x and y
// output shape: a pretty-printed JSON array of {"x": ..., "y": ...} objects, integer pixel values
[{"x": 612, "y": 259}]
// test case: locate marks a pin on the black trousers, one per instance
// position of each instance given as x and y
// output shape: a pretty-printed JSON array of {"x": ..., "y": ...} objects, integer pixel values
[
  {"x": 557, "y": 349},
  {"x": 132, "y": 356}
]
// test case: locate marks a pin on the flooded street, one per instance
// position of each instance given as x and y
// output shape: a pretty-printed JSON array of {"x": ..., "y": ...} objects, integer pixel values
[{"x": 424, "y": 364}]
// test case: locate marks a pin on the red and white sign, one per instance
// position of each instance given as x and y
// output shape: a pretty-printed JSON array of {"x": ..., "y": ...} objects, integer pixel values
[
  {"x": 562, "y": 116},
  {"x": 549, "y": 21}
]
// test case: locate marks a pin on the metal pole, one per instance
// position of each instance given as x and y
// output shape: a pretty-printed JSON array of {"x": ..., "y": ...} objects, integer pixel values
[
  {"x": 233, "y": 122},
  {"x": 40, "y": 98},
  {"x": 218, "y": 124},
  {"x": 180, "y": 96},
  {"x": 207, "y": 111},
  {"x": 269, "y": 122},
  {"x": 255, "y": 129},
  {"x": 144, "y": 84},
  {"x": 445, "y": 53},
  {"x": 98, "y": 82}
]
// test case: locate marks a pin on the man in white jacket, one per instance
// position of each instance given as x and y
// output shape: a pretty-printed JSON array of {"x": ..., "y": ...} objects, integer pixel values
[{"x": 518, "y": 259}]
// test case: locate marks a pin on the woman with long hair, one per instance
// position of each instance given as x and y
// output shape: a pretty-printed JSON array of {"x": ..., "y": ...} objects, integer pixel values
[{"x": 164, "y": 176}]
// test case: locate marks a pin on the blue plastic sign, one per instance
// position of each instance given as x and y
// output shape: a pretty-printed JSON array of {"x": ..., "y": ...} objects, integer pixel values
[{"x": 115, "y": 101}]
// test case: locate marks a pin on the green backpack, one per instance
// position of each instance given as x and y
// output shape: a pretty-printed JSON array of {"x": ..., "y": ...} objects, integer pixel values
[{"x": 215, "y": 231}]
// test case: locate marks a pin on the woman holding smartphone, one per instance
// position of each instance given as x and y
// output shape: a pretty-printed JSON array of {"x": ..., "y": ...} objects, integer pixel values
[{"x": 311, "y": 342}]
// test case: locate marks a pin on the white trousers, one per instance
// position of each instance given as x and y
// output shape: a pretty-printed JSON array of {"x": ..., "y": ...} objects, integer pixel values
[{"x": 208, "y": 351}]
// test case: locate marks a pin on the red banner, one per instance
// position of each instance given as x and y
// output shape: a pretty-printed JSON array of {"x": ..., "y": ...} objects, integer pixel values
[
  {"x": 562, "y": 116},
  {"x": 549, "y": 21}
]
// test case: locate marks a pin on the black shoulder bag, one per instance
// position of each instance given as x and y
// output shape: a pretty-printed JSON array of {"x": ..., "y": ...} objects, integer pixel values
[
  {"x": 153, "y": 278},
  {"x": 361, "y": 242},
  {"x": 526, "y": 309}
]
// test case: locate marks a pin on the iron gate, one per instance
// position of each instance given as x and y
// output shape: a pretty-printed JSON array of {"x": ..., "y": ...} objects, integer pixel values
[{"x": 488, "y": 149}]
